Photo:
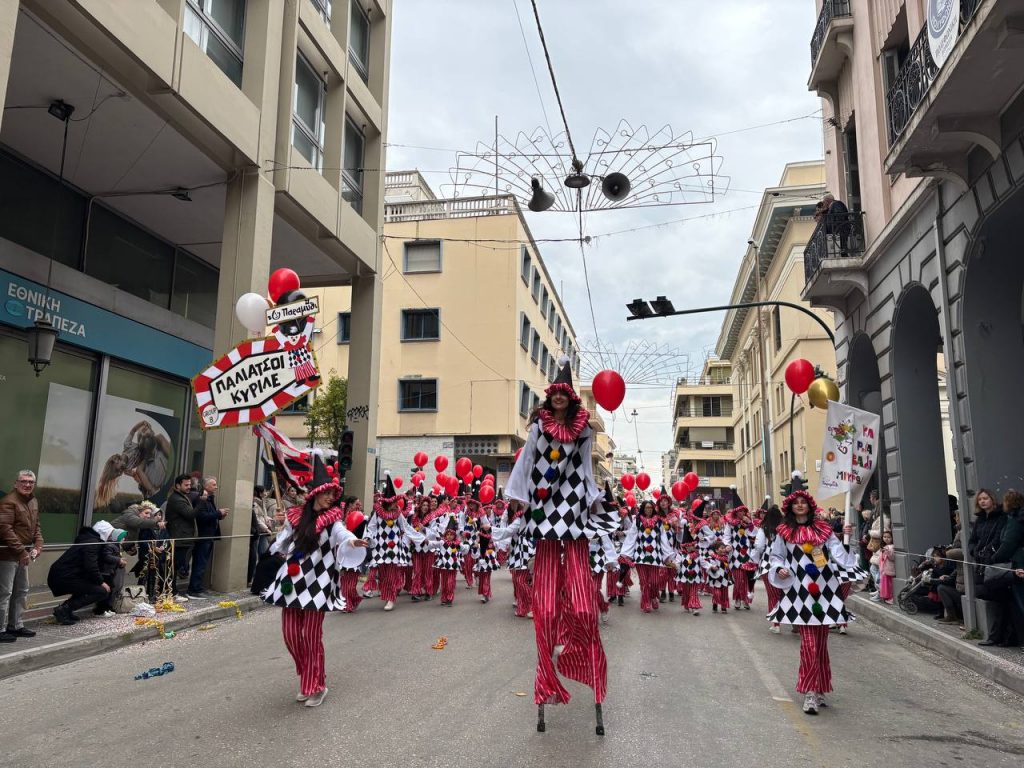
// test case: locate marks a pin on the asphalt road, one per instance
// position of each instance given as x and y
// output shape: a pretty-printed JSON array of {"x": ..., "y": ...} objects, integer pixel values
[{"x": 683, "y": 691}]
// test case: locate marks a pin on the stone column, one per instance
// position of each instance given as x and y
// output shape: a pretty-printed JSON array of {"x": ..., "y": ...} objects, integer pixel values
[
  {"x": 8, "y": 21},
  {"x": 363, "y": 376}
]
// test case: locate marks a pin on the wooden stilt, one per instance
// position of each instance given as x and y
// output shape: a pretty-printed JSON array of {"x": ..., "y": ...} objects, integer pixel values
[
  {"x": 600, "y": 720},
  {"x": 540, "y": 718}
]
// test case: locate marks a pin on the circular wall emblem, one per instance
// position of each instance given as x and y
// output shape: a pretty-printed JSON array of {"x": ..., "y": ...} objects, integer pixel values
[
  {"x": 14, "y": 308},
  {"x": 210, "y": 414}
]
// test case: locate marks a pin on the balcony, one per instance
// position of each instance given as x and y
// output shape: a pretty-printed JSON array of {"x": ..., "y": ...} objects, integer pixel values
[
  {"x": 705, "y": 445},
  {"x": 937, "y": 115},
  {"x": 831, "y": 44},
  {"x": 459, "y": 208},
  {"x": 834, "y": 259},
  {"x": 724, "y": 411}
]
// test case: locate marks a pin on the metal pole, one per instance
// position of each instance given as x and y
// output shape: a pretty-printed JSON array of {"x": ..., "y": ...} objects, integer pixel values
[
  {"x": 496, "y": 156},
  {"x": 747, "y": 305},
  {"x": 762, "y": 372},
  {"x": 792, "y": 441}
]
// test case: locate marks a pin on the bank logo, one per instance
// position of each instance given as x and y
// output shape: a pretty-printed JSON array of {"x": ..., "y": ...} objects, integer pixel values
[
  {"x": 14, "y": 308},
  {"x": 943, "y": 28}
]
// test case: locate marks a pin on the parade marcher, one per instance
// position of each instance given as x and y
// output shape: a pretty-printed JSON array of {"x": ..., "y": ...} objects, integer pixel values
[
  {"x": 449, "y": 551},
  {"x": 670, "y": 520},
  {"x": 355, "y": 521},
  {"x": 554, "y": 478},
  {"x": 807, "y": 562},
  {"x": 741, "y": 524},
  {"x": 390, "y": 534},
  {"x": 615, "y": 590},
  {"x": 689, "y": 570},
  {"x": 719, "y": 575},
  {"x": 315, "y": 545},
  {"x": 469, "y": 519},
  {"x": 422, "y": 554},
  {"x": 603, "y": 556},
  {"x": 761, "y": 555},
  {"x": 520, "y": 547},
  {"x": 485, "y": 560},
  {"x": 648, "y": 548}
]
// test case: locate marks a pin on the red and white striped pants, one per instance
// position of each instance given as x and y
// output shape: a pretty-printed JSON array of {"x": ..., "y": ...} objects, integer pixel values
[
  {"x": 304, "y": 638},
  {"x": 483, "y": 584},
  {"x": 689, "y": 595},
  {"x": 350, "y": 590},
  {"x": 421, "y": 570},
  {"x": 522, "y": 590},
  {"x": 371, "y": 580},
  {"x": 774, "y": 594},
  {"x": 720, "y": 597},
  {"x": 613, "y": 585},
  {"x": 740, "y": 586},
  {"x": 844, "y": 592},
  {"x": 407, "y": 573},
  {"x": 467, "y": 569},
  {"x": 650, "y": 585},
  {"x": 815, "y": 674},
  {"x": 446, "y": 581},
  {"x": 391, "y": 578},
  {"x": 583, "y": 657},
  {"x": 602, "y": 604}
]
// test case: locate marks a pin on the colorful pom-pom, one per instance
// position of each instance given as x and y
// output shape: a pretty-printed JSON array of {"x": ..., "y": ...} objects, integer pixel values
[
  {"x": 818, "y": 611},
  {"x": 286, "y": 587},
  {"x": 549, "y": 475},
  {"x": 538, "y": 515},
  {"x": 293, "y": 569},
  {"x": 807, "y": 548},
  {"x": 555, "y": 454},
  {"x": 812, "y": 570},
  {"x": 813, "y": 589},
  {"x": 542, "y": 493}
]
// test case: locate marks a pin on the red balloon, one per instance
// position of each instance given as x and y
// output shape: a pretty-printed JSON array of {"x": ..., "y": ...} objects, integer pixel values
[
  {"x": 489, "y": 478},
  {"x": 478, "y": 470},
  {"x": 441, "y": 463},
  {"x": 692, "y": 480},
  {"x": 353, "y": 519},
  {"x": 420, "y": 459},
  {"x": 680, "y": 490},
  {"x": 397, "y": 482},
  {"x": 281, "y": 282},
  {"x": 609, "y": 390},
  {"x": 656, "y": 493},
  {"x": 628, "y": 481},
  {"x": 468, "y": 478},
  {"x": 452, "y": 486},
  {"x": 437, "y": 490},
  {"x": 463, "y": 466},
  {"x": 630, "y": 499},
  {"x": 487, "y": 494},
  {"x": 643, "y": 481},
  {"x": 799, "y": 375}
]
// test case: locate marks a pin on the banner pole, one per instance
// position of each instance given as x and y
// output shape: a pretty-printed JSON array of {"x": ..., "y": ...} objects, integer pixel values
[
  {"x": 848, "y": 517},
  {"x": 273, "y": 475}
]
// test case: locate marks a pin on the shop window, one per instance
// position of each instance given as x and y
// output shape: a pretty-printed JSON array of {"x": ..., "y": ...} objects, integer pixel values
[
  {"x": 48, "y": 421},
  {"x": 128, "y": 258},
  {"x": 421, "y": 324},
  {"x": 354, "y": 160},
  {"x": 36, "y": 212},
  {"x": 218, "y": 28},
  {"x": 359, "y": 40},
  {"x": 195, "y": 290},
  {"x": 138, "y": 444},
  {"x": 422, "y": 256},
  {"x": 308, "y": 113},
  {"x": 417, "y": 395}
]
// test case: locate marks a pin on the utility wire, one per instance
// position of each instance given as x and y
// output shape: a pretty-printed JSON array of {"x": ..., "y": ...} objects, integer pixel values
[
  {"x": 554, "y": 84},
  {"x": 533, "y": 71}
]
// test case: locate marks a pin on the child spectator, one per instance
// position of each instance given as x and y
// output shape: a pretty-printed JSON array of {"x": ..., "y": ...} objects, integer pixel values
[{"x": 887, "y": 568}]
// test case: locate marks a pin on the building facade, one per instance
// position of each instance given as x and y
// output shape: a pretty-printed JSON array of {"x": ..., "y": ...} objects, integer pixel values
[
  {"x": 704, "y": 431},
  {"x": 623, "y": 464},
  {"x": 470, "y": 333},
  {"x": 932, "y": 165},
  {"x": 162, "y": 157}
]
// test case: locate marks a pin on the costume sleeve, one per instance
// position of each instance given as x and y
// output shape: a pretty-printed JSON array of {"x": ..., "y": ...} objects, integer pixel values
[
  {"x": 519, "y": 481},
  {"x": 586, "y": 449},
  {"x": 611, "y": 557},
  {"x": 371, "y": 527},
  {"x": 346, "y": 555},
  {"x": 760, "y": 545},
  {"x": 629, "y": 545},
  {"x": 668, "y": 551},
  {"x": 412, "y": 536},
  {"x": 280, "y": 545},
  {"x": 727, "y": 531},
  {"x": 502, "y": 534},
  {"x": 840, "y": 554}
]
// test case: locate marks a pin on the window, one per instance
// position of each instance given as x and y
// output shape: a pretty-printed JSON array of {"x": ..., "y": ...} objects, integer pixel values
[
  {"x": 711, "y": 406},
  {"x": 308, "y": 113},
  {"x": 299, "y": 406},
  {"x": 777, "y": 325},
  {"x": 353, "y": 162},
  {"x": 525, "y": 269},
  {"x": 421, "y": 324},
  {"x": 324, "y": 7},
  {"x": 125, "y": 256},
  {"x": 715, "y": 468},
  {"x": 534, "y": 401},
  {"x": 544, "y": 301},
  {"x": 359, "y": 40},
  {"x": 344, "y": 327},
  {"x": 544, "y": 358},
  {"x": 422, "y": 256},
  {"x": 852, "y": 166},
  {"x": 551, "y": 317},
  {"x": 535, "y": 347},
  {"x": 552, "y": 370},
  {"x": 524, "y": 331},
  {"x": 524, "y": 399},
  {"x": 417, "y": 395},
  {"x": 218, "y": 28},
  {"x": 535, "y": 290},
  {"x": 194, "y": 289}
]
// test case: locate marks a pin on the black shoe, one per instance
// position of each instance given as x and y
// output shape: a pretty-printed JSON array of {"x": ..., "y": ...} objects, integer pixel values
[
  {"x": 7, "y": 637},
  {"x": 671, "y": 597},
  {"x": 21, "y": 632},
  {"x": 987, "y": 642},
  {"x": 714, "y": 609},
  {"x": 621, "y": 600},
  {"x": 63, "y": 616},
  {"x": 197, "y": 596},
  {"x": 415, "y": 598}
]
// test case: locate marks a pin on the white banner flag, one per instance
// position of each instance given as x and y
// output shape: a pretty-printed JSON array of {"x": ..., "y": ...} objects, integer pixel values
[{"x": 849, "y": 452}]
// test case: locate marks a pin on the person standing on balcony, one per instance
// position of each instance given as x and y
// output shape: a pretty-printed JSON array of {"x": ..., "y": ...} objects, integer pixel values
[{"x": 837, "y": 223}]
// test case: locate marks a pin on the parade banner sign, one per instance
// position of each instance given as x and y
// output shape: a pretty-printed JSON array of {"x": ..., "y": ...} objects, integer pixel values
[
  {"x": 849, "y": 452},
  {"x": 943, "y": 28},
  {"x": 256, "y": 379},
  {"x": 295, "y": 311}
]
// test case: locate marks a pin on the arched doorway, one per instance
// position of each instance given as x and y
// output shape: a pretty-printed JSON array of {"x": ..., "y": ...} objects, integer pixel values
[
  {"x": 993, "y": 339},
  {"x": 920, "y": 513},
  {"x": 864, "y": 391}
]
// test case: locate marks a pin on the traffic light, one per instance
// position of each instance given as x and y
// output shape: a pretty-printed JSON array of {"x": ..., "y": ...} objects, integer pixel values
[{"x": 345, "y": 450}]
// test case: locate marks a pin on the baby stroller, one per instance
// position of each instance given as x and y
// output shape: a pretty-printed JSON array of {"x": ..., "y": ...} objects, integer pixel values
[{"x": 917, "y": 584}]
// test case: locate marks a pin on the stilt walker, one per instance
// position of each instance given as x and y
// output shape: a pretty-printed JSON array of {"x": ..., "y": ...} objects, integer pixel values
[
  {"x": 520, "y": 548},
  {"x": 806, "y": 561},
  {"x": 761, "y": 554},
  {"x": 553, "y": 477},
  {"x": 316, "y": 544},
  {"x": 648, "y": 548},
  {"x": 389, "y": 534},
  {"x": 740, "y": 562}
]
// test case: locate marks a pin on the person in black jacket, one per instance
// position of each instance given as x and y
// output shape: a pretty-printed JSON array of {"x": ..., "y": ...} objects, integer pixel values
[
  {"x": 987, "y": 532},
  {"x": 78, "y": 571},
  {"x": 208, "y": 517}
]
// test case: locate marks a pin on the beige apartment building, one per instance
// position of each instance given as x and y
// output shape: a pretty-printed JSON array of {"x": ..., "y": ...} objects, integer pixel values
[
  {"x": 161, "y": 158},
  {"x": 471, "y": 330},
  {"x": 923, "y": 140},
  {"x": 703, "y": 426}
]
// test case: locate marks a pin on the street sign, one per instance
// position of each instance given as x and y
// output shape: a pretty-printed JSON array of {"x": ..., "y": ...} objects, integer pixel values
[{"x": 294, "y": 311}]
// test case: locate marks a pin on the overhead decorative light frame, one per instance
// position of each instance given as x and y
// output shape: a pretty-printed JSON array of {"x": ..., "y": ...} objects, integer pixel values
[
  {"x": 634, "y": 167},
  {"x": 638, "y": 362}
]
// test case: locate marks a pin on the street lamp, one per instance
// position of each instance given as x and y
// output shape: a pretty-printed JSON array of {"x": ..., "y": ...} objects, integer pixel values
[{"x": 41, "y": 338}]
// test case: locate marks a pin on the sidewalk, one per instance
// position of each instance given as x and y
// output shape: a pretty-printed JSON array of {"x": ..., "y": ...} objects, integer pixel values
[
  {"x": 1001, "y": 665},
  {"x": 55, "y": 644}
]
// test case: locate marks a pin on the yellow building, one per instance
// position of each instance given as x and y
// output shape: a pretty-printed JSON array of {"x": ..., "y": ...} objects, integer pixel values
[
  {"x": 175, "y": 152},
  {"x": 772, "y": 269},
  {"x": 470, "y": 331},
  {"x": 603, "y": 451},
  {"x": 703, "y": 428}
]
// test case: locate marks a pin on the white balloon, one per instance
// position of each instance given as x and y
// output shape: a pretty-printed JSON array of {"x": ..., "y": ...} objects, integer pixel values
[{"x": 251, "y": 310}]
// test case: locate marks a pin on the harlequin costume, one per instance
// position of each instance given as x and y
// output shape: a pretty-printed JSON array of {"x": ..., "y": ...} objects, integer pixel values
[
  {"x": 719, "y": 578},
  {"x": 761, "y": 553},
  {"x": 307, "y": 584},
  {"x": 648, "y": 547},
  {"x": 740, "y": 562},
  {"x": 422, "y": 553},
  {"x": 617, "y": 591},
  {"x": 553, "y": 477},
  {"x": 449, "y": 551},
  {"x": 817, "y": 564},
  {"x": 355, "y": 521},
  {"x": 389, "y": 534},
  {"x": 520, "y": 547},
  {"x": 689, "y": 571},
  {"x": 485, "y": 557},
  {"x": 468, "y": 526}
]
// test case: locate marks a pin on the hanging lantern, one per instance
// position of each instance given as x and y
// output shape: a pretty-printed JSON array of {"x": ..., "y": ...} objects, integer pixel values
[{"x": 41, "y": 339}]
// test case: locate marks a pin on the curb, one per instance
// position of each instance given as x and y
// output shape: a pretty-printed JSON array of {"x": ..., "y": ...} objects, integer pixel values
[
  {"x": 1007, "y": 674},
  {"x": 66, "y": 651}
]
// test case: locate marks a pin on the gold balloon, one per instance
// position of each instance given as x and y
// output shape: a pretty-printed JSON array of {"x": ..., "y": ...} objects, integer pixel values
[{"x": 821, "y": 391}]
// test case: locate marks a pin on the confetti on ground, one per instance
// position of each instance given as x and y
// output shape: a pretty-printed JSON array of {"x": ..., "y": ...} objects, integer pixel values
[
  {"x": 520, "y": 693},
  {"x": 440, "y": 644},
  {"x": 164, "y": 669},
  {"x": 647, "y": 674},
  {"x": 206, "y": 627},
  {"x": 231, "y": 604},
  {"x": 156, "y": 623}
]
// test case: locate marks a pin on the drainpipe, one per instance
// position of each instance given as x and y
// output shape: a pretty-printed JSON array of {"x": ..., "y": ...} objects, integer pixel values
[{"x": 953, "y": 396}]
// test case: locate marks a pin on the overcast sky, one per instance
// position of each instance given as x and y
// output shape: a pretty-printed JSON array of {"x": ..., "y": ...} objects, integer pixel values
[{"x": 702, "y": 66}]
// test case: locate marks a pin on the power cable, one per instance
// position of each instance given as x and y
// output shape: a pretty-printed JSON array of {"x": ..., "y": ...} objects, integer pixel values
[
  {"x": 533, "y": 71},
  {"x": 554, "y": 84}
]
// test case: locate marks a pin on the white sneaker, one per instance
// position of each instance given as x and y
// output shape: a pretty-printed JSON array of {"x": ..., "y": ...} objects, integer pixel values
[
  {"x": 874, "y": 598},
  {"x": 604, "y": 618},
  {"x": 181, "y": 598},
  {"x": 810, "y": 704},
  {"x": 696, "y": 612},
  {"x": 300, "y": 696},
  {"x": 389, "y": 605},
  {"x": 529, "y": 615},
  {"x": 842, "y": 629},
  {"x": 107, "y": 615},
  {"x": 820, "y": 698},
  {"x": 775, "y": 629},
  {"x": 316, "y": 699},
  {"x": 483, "y": 598}
]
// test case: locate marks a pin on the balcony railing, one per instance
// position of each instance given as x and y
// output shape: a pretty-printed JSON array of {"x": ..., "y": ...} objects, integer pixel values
[
  {"x": 705, "y": 446},
  {"x": 830, "y": 9},
  {"x": 916, "y": 76},
  {"x": 458, "y": 208},
  {"x": 837, "y": 236},
  {"x": 703, "y": 413},
  {"x": 705, "y": 381}
]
